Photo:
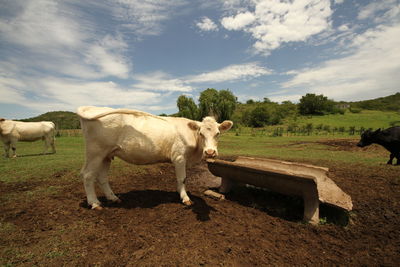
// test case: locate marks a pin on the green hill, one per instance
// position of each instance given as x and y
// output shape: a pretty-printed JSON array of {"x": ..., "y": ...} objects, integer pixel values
[
  {"x": 62, "y": 119},
  {"x": 387, "y": 103}
]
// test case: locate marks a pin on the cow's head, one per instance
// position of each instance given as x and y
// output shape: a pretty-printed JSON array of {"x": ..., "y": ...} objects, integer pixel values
[
  {"x": 368, "y": 137},
  {"x": 208, "y": 132}
]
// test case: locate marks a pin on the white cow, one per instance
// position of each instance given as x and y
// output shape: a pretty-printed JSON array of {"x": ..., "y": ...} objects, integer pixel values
[
  {"x": 141, "y": 138},
  {"x": 13, "y": 131}
]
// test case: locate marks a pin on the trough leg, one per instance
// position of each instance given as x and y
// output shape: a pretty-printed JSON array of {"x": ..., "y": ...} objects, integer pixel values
[
  {"x": 311, "y": 209},
  {"x": 226, "y": 185}
]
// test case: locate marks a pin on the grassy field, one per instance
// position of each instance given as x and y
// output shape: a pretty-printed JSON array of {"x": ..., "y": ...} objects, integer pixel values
[
  {"x": 30, "y": 166},
  {"x": 367, "y": 119},
  {"x": 316, "y": 149}
]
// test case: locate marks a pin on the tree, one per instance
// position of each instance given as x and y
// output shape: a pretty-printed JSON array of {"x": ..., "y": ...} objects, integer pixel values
[
  {"x": 312, "y": 104},
  {"x": 226, "y": 105},
  {"x": 187, "y": 108},
  {"x": 267, "y": 100},
  {"x": 208, "y": 102},
  {"x": 259, "y": 116},
  {"x": 220, "y": 104}
]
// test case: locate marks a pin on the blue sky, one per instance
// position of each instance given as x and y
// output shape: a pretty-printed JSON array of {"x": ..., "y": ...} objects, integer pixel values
[{"x": 143, "y": 54}]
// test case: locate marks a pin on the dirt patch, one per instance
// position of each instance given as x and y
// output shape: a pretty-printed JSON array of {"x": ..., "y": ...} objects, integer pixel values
[
  {"x": 341, "y": 144},
  {"x": 152, "y": 228}
]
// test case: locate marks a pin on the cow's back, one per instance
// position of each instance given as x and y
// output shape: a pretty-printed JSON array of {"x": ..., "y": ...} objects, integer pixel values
[
  {"x": 135, "y": 139},
  {"x": 393, "y": 132},
  {"x": 31, "y": 131}
]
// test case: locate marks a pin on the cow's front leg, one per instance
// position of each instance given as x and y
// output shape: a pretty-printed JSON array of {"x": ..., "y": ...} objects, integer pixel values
[
  {"x": 7, "y": 150},
  {"x": 180, "y": 171},
  {"x": 14, "y": 150},
  {"x": 391, "y": 157}
]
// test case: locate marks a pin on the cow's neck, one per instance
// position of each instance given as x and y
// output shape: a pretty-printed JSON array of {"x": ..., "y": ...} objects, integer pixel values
[
  {"x": 382, "y": 142},
  {"x": 197, "y": 153}
]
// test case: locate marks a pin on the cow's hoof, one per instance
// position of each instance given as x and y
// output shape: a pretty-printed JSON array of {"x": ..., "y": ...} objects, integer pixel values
[
  {"x": 96, "y": 206},
  {"x": 188, "y": 203},
  {"x": 117, "y": 201}
]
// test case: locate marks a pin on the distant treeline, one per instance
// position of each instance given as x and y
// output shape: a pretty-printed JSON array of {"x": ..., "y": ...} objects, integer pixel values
[
  {"x": 224, "y": 105},
  {"x": 300, "y": 130}
]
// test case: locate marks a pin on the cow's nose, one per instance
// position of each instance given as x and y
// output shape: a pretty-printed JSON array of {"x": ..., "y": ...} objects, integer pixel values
[{"x": 210, "y": 153}]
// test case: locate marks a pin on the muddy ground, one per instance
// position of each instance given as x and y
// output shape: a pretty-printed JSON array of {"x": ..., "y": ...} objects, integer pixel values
[{"x": 251, "y": 228}]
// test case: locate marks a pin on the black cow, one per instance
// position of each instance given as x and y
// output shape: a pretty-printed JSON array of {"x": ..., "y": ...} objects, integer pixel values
[{"x": 388, "y": 138}]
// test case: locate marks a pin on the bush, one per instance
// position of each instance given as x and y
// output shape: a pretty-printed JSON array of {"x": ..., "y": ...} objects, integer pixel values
[
  {"x": 259, "y": 117},
  {"x": 355, "y": 110}
]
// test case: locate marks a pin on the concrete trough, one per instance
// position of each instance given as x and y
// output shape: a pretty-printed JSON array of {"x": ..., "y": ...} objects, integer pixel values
[{"x": 307, "y": 181}]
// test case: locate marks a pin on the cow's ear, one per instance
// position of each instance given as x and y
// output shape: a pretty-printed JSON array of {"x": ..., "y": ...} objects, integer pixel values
[
  {"x": 377, "y": 131},
  {"x": 225, "y": 126},
  {"x": 193, "y": 125}
]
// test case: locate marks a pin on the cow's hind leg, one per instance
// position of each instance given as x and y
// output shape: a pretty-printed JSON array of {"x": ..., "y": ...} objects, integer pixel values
[
  {"x": 91, "y": 170},
  {"x": 46, "y": 145},
  {"x": 180, "y": 170},
  {"x": 53, "y": 147},
  {"x": 102, "y": 181}
]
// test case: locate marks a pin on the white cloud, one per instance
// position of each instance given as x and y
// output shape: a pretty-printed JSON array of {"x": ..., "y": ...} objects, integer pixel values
[
  {"x": 239, "y": 21},
  {"x": 285, "y": 97},
  {"x": 338, "y": 2},
  {"x": 159, "y": 81},
  {"x": 145, "y": 17},
  {"x": 57, "y": 37},
  {"x": 206, "y": 24},
  {"x": 77, "y": 93},
  {"x": 41, "y": 23},
  {"x": 371, "y": 9},
  {"x": 107, "y": 56},
  {"x": 231, "y": 73},
  {"x": 274, "y": 22},
  {"x": 371, "y": 70},
  {"x": 67, "y": 94},
  {"x": 343, "y": 28}
]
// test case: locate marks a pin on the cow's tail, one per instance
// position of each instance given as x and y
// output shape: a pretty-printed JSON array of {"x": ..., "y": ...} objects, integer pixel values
[{"x": 89, "y": 113}]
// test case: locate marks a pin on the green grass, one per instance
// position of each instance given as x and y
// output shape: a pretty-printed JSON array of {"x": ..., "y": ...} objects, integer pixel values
[
  {"x": 297, "y": 148},
  {"x": 30, "y": 165},
  {"x": 33, "y": 167},
  {"x": 367, "y": 119}
]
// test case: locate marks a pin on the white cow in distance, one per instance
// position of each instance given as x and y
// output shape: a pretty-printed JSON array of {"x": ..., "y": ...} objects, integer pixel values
[
  {"x": 142, "y": 138},
  {"x": 13, "y": 131}
]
